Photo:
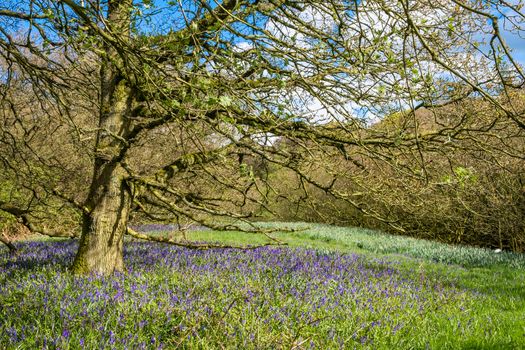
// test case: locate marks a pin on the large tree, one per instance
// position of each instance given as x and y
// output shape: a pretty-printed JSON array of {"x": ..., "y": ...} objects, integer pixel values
[{"x": 166, "y": 110}]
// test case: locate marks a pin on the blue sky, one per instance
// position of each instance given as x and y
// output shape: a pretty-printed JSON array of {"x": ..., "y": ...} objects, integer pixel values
[{"x": 517, "y": 44}]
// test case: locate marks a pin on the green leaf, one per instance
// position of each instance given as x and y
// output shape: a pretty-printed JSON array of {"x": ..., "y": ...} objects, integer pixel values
[
  {"x": 225, "y": 101},
  {"x": 174, "y": 104},
  {"x": 211, "y": 101}
]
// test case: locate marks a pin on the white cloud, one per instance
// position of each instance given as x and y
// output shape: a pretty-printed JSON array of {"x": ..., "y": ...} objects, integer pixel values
[{"x": 243, "y": 46}]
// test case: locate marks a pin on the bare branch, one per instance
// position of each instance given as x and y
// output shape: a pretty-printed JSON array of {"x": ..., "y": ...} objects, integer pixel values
[{"x": 194, "y": 245}]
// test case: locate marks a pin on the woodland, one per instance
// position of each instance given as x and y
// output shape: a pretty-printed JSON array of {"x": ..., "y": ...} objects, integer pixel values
[
  {"x": 262, "y": 174},
  {"x": 404, "y": 116}
]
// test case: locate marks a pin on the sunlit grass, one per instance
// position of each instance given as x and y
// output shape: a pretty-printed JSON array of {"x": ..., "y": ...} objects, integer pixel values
[
  {"x": 358, "y": 289},
  {"x": 368, "y": 241}
]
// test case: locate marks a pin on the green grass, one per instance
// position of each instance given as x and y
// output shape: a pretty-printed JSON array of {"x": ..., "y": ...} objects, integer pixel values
[
  {"x": 353, "y": 239},
  {"x": 396, "y": 293},
  {"x": 498, "y": 277}
]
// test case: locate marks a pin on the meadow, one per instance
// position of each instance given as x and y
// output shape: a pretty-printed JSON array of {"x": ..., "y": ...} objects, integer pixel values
[{"x": 331, "y": 288}]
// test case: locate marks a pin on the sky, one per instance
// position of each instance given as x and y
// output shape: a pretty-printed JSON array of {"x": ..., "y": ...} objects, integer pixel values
[{"x": 517, "y": 44}]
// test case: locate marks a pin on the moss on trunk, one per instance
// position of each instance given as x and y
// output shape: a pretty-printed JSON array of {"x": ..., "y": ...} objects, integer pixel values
[{"x": 101, "y": 243}]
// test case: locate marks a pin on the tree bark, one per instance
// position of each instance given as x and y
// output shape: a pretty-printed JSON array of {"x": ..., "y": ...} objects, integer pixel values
[
  {"x": 109, "y": 199},
  {"x": 101, "y": 244}
]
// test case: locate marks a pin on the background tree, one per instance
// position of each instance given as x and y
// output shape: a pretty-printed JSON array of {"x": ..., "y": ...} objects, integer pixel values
[
  {"x": 122, "y": 109},
  {"x": 470, "y": 190}
]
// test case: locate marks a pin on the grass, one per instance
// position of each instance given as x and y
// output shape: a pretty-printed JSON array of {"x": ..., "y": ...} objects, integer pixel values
[{"x": 332, "y": 288}]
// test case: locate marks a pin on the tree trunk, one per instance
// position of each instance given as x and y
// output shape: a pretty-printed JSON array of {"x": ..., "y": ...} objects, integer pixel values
[
  {"x": 109, "y": 199},
  {"x": 101, "y": 244}
]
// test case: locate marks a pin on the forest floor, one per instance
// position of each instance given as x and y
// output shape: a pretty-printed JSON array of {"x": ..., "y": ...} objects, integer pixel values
[{"x": 331, "y": 287}]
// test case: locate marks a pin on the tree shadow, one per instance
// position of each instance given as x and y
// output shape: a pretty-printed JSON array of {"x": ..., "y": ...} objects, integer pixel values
[{"x": 34, "y": 255}]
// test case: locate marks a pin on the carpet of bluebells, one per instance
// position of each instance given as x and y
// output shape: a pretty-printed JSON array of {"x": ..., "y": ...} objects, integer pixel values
[{"x": 265, "y": 298}]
